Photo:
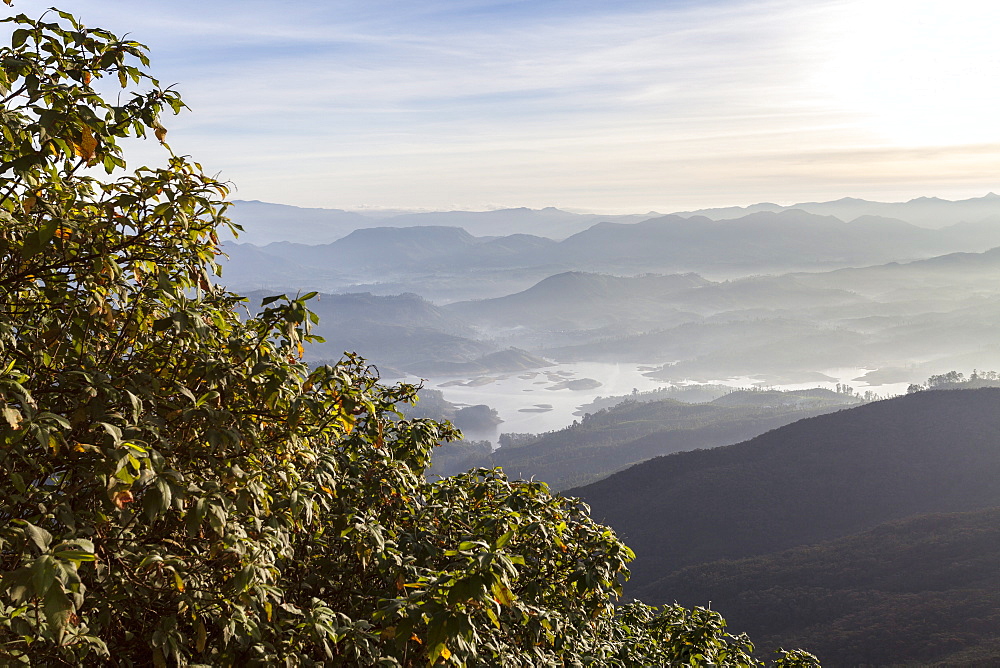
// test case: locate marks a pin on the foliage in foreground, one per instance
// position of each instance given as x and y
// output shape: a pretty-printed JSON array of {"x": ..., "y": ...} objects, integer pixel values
[{"x": 178, "y": 488}]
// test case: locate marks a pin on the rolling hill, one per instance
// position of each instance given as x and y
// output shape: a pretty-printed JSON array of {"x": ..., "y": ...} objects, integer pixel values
[
  {"x": 922, "y": 590},
  {"x": 815, "y": 480},
  {"x": 870, "y": 536}
]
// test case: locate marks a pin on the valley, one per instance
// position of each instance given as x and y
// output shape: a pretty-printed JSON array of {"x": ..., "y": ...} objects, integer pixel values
[{"x": 754, "y": 399}]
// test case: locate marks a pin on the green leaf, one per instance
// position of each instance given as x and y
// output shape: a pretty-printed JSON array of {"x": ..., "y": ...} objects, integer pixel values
[
  {"x": 112, "y": 430},
  {"x": 43, "y": 573},
  {"x": 37, "y": 535},
  {"x": 438, "y": 651},
  {"x": 504, "y": 539},
  {"x": 77, "y": 556},
  {"x": 33, "y": 244},
  {"x": 18, "y": 584},
  {"x": 58, "y": 607}
]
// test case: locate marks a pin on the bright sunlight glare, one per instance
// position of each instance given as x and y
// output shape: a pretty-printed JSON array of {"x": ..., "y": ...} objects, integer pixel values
[{"x": 917, "y": 73}]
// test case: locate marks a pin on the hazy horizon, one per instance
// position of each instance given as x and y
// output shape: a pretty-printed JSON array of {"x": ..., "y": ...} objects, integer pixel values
[{"x": 387, "y": 210}]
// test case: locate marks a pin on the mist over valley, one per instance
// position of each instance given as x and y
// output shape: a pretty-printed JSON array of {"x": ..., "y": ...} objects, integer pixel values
[
  {"x": 598, "y": 350},
  {"x": 783, "y": 298}
]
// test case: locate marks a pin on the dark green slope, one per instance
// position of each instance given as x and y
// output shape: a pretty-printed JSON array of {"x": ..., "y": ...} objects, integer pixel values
[
  {"x": 632, "y": 431},
  {"x": 613, "y": 439},
  {"x": 817, "y": 479},
  {"x": 916, "y": 591}
]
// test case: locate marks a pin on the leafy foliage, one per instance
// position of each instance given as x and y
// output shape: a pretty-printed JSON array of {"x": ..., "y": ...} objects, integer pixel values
[{"x": 178, "y": 487}]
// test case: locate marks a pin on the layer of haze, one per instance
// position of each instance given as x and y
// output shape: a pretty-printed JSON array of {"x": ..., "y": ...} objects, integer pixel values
[{"x": 625, "y": 106}]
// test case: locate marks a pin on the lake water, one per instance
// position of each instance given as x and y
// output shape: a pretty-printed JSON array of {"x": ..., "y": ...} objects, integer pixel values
[{"x": 546, "y": 399}]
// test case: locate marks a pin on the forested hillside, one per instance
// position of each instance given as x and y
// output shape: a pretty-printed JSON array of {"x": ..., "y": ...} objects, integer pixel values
[
  {"x": 923, "y": 590},
  {"x": 810, "y": 481},
  {"x": 870, "y": 534},
  {"x": 615, "y": 438}
]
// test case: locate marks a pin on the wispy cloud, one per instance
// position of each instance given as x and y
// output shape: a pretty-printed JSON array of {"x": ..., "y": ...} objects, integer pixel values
[{"x": 626, "y": 106}]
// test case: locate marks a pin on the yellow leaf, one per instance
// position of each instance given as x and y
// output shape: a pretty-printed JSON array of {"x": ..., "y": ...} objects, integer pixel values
[
  {"x": 64, "y": 232},
  {"x": 203, "y": 636},
  {"x": 178, "y": 581},
  {"x": 347, "y": 422},
  {"x": 160, "y": 132},
  {"x": 87, "y": 146},
  {"x": 29, "y": 204},
  {"x": 502, "y": 594},
  {"x": 438, "y": 651}
]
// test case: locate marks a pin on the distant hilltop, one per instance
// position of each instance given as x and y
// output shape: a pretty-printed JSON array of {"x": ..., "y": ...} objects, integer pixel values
[{"x": 931, "y": 212}]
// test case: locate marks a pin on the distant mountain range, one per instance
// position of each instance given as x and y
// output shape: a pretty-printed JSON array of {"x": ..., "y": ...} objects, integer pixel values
[
  {"x": 266, "y": 223},
  {"x": 929, "y": 315},
  {"x": 584, "y": 300},
  {"x": 909, "y": 320},
  {"x": 425, "y": 258},
  {"x": 404, "y": 334},
  {"x": 931, "y": 212}
]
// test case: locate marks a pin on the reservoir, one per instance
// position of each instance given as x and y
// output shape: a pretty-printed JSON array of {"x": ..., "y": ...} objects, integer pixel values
[{"x": 547, "y": 399}]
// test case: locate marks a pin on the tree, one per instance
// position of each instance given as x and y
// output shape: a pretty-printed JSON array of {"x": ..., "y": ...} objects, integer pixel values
[
  {"x": 177, "y": 487},
  {"x": 944, "y": 379}
]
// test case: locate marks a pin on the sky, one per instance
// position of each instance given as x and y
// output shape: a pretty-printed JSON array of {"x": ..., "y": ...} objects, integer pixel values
[{"x": 622, "y": 106}]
